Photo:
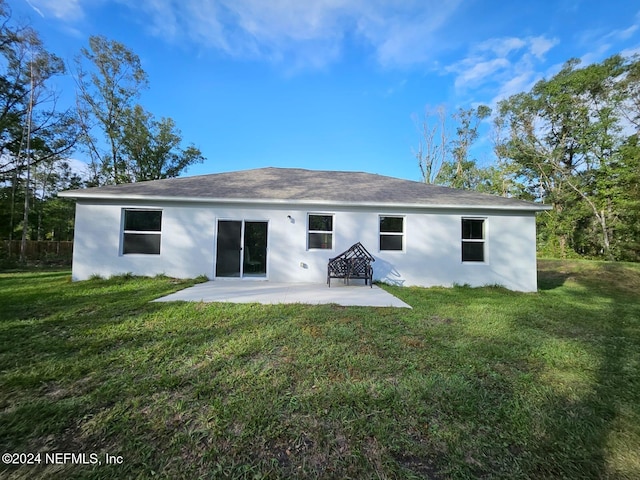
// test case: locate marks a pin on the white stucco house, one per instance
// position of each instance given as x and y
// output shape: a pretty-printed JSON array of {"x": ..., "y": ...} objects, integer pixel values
[{"x": 283, "y": 225}]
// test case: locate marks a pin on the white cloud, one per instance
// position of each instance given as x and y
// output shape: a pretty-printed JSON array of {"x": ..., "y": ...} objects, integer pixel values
[
  {"x": 601, "y": 44},
  {"x": 627, "y": 32},
  {"x": 595, "y": 55},
  {"x": 36, "y": 9},
  {"x": 310, "y": 33},
  {"x": 622, "y": 33},
  {"x": 521, "y": 82},
  {"x": 501, "y": 47},
  {"x": 404, "y": 33},
  {"x": 505, "y": 65},
  {"x": 68, "y": 10},
  {"x": 541, "y": 45},
  {"x": 478, "y": 72}
]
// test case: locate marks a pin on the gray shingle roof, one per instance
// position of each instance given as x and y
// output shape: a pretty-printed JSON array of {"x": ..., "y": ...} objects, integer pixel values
[{"x": 295, "y": 185}]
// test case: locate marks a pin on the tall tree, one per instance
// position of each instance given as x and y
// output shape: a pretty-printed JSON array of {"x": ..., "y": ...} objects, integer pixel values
[
  {"x": 561, "y": 135},
  {"x": 620, "y": 182},
  {"x": 124, "y": 141},
  {"x": 630, "y": 86},
  {"x": 32, "y": 130},
  {"x": 26, "y": 69},
  {"x": 433, "y": 147},
  {"x": 109, "y": 80},
  {"x": 444, "y": 158},
  {"x": 53, "y": 216},
  {"x": 465, "y": 169}
]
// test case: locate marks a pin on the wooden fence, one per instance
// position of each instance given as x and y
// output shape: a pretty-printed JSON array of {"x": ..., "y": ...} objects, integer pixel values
[{"x": 37, "y": 250}]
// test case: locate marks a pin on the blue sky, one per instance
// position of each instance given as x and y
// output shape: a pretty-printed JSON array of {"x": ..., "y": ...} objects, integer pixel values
[{"x": 331, "y": 84}]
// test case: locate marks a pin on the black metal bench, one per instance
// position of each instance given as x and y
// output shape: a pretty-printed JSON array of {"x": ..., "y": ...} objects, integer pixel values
[{"x": 352, "y": 263}]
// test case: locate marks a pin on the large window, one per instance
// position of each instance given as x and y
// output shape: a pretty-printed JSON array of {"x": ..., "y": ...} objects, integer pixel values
[
  {"x": 473, "y": 239},
  {"x": 142, "y": 231},
  {"x": 320, "y": 232},
  {"x": 391, "y": 233}
]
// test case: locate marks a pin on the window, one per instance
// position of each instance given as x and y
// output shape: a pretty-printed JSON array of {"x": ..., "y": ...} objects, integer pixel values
[
  {"x": 142, "y": 232},
  {"x": 391, "y": 233},
  {"x": 473, "y": 240},
  {"x": 320, "y": 232}
]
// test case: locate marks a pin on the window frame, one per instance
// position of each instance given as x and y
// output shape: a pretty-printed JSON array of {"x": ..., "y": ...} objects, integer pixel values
[
  {"x": 402, "y": 234},
  {"x": 330, "y": 232},
  {"x": 125, "y": 231},
  {"x": 482, "y": 241}
]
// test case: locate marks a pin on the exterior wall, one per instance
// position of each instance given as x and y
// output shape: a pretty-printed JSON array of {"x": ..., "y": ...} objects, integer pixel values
[{"x": 432, "y": 253}]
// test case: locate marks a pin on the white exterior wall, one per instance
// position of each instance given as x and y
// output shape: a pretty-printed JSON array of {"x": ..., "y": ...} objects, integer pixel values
[{"x": 432, "y": 253}]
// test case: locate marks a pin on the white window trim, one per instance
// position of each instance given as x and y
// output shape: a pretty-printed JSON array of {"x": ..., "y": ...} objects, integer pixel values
[
  {"x": 332, "y": 232},
  {"x": 403, "y": 234},
  {"x": 484, "y": 240},
  {"x": 145, "y": 232}
]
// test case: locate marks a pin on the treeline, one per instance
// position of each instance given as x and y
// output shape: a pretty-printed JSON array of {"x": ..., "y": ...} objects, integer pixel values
[
  {"x": 571, "y": 142},
  {"x": 123, "y": 141}
]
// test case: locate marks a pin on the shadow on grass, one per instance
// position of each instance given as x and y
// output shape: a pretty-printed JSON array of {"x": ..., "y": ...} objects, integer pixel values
[
  {"x": 599, "y": 315},
  {"x": 551, "y": 275},
  {"x": 578, "y": 428}
]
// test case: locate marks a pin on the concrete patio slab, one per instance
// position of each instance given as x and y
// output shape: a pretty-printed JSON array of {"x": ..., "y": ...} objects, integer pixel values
[{"x": 266, "y": 292}]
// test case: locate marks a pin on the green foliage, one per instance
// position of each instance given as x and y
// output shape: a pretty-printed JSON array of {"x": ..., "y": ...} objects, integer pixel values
[
  {"x": 153, "y": 147},
  {"x": 110, "y": 79},
  {"x": 126, "y": 143},
  {"x": 34, "y": 135},
  {"x": 621, "y": 181},
  {"x": 444, "y": 160},
  {"x": 567, "y": 144},
  {"x": 26, "y": 101},
  {"x": 470, "y": 383}
]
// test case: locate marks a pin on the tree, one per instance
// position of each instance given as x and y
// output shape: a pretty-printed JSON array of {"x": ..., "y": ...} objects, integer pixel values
[
  {"x": 621, "y": 182},
  {"x": 125, "y": 142},
  {"x": 433, "y": 148},
  {"x": 32, "y": 130},
  {"x": 54, "y": 217},
  {"x": 109, "y": 78},
  {"x": 562, "y": 136},
  {"x": 444, "y": 160},
  {"x": 154, "y": 147},
  {"x": 466, "y": 134},
  {"x": 630, "y": 86},
  {"x": 26, "y": 69}
]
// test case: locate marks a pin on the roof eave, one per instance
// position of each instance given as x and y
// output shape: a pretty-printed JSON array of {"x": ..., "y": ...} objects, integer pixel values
[{"x": 79, "y": 195}]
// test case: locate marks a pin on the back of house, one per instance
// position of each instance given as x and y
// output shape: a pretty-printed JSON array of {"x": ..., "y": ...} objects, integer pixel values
[{"x": 283, "y": 225}]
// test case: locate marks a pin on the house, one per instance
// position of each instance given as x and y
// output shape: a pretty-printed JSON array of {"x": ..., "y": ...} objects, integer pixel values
[{"x": 283, "y": 224}]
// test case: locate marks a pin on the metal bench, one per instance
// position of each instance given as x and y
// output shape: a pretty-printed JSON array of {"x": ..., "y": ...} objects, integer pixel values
[{"x": 352, "y": 263}]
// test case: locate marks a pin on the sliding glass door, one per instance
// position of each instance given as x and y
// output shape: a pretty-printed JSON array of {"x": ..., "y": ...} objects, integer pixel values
[{"x": 241, "y": 249}]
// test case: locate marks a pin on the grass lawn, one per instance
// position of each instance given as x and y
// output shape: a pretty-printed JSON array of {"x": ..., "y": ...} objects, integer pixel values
[{"x": 471, "y": 383}]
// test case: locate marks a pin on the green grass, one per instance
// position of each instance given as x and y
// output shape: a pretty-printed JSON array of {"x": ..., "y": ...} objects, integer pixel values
[{"x": 471, "y": 383}]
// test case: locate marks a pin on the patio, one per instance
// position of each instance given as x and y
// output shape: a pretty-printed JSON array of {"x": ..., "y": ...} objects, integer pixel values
[{"x": 265, "y": 292}]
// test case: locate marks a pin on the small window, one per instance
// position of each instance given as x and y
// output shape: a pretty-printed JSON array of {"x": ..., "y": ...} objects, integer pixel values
[
  {"x": 473, "y": 238},
  {"x": 320, "y": 232},
  {"x": 391, "y": 233},
  {"x": 142, "y": 232}
]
